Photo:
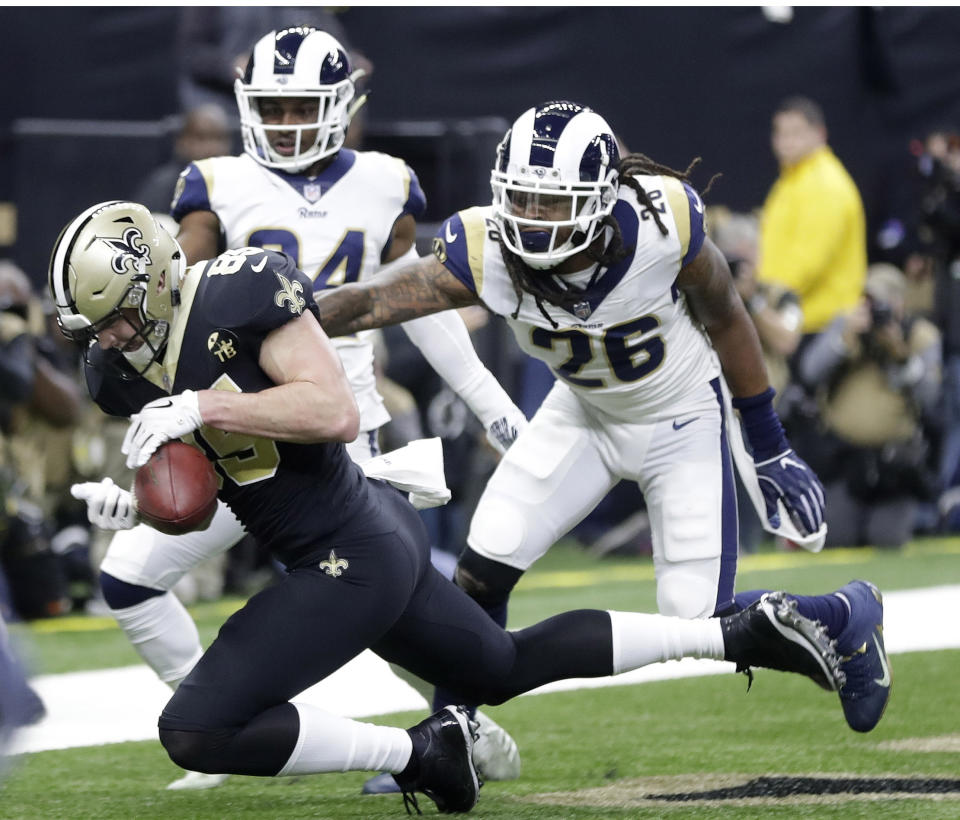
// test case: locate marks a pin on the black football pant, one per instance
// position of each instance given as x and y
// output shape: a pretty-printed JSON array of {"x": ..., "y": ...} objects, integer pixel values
[{"x": 231, "y": 713}]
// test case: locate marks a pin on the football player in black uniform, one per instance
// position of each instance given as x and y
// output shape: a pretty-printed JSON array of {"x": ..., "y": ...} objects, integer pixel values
[{"x": 229, "y": 355}]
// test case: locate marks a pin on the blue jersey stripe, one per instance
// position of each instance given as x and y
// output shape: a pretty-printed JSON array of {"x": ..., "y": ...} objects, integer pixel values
[
  {"x": 453, "y": 254},
  {"x": 697, "y": 224}
]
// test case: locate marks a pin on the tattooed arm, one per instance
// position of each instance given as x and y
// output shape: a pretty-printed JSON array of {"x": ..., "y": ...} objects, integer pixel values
[{"x": 394, "y": 296}]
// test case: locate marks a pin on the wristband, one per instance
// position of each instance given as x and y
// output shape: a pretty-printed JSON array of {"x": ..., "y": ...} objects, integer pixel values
[{"x": 761, "y": 424}]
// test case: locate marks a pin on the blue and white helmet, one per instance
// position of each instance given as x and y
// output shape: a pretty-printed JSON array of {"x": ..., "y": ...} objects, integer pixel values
[
  {"x": 554, "y": 182},
  {"x": 296, "y": 62}
]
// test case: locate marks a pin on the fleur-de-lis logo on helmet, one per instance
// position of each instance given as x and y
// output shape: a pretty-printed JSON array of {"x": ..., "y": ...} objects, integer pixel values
[
  {"x": 289, "y": 295},
  {"x": 130, "y": 247}
]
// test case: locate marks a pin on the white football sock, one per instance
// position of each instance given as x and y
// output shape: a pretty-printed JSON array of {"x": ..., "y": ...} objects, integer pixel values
[
  {"x": 164, "y": 634},
  {"x": 640, "y": 639},
  {"x": 329, "y": 743}
]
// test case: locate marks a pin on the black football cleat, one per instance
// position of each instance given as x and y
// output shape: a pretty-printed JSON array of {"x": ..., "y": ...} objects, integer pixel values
[
  {"x": 772, "y": 634},
  {"x": 442, "y": 762}
]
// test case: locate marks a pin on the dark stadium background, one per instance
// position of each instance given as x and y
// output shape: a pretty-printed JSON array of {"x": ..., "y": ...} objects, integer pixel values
[{"x": 673, "y": 83}]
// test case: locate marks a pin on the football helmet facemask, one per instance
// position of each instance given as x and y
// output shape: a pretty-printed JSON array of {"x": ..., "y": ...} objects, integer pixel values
[
  {"x": 554, "y": 182},
  {"x": 112, "y": 259},
  {"x": 305, "y": 63}
]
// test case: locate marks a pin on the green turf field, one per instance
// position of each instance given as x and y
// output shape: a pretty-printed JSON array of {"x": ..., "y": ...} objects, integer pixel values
[{"x": 698, "y": 747}]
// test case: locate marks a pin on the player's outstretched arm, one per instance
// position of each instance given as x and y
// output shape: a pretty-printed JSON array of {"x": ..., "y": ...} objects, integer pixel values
[
  {"x": 445, "y": 343},
  {"x": 394, "y": 296}
]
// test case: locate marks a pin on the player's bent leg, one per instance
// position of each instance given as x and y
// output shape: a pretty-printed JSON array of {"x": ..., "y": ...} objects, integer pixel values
[
  {"x": 218, "y": 721},
  {"x": 140, "y": 568}
]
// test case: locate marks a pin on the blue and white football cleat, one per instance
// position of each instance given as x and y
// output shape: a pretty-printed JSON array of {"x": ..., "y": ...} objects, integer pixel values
[{"x": 863, "y": 658}]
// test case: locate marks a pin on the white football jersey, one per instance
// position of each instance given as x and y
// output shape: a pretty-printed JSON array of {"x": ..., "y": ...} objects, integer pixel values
[
  {"x": 630, "y": 346},
  {"x": 335, "y": 225}
]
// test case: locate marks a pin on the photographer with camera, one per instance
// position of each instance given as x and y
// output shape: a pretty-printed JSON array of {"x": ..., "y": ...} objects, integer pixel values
[
  {"x": 933, "y": 242},
  {"x": 39, "y": 407},
  {"x": 875, "y": 372}
]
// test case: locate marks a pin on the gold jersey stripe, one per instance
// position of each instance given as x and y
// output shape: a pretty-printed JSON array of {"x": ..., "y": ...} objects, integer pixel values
[
  {"x": 205, "y": 167},
  {"x": 680, "y": 208},
  {"x": 475, "y": 225}
]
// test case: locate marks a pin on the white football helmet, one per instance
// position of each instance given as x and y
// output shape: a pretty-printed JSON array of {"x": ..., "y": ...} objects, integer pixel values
[
  {"x": 554, "y": 182},
  {"x": 115, "y": 256},
  {"x": 299, "y": 62}
]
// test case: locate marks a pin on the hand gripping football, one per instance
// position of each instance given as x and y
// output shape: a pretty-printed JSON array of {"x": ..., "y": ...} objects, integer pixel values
[{"x": 176, "y": 490}]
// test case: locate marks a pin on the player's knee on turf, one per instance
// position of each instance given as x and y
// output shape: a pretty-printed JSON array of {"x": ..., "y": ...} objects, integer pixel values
[
  {"x": 488, "y": 582},
  {"x": 193, "y": 751}
]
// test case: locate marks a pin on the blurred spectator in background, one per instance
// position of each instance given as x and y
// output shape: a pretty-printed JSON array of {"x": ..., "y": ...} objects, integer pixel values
[
  {"x": 775, "y": 309},
  {"x": 876, "y": 374},
  {"x": 934, "y": 242},
  {"x": 204, "y": 132},
  {"x": 813, "y": 229},
  {"x": 41, "y": 553},
  {"x": 778, "y": 318}
]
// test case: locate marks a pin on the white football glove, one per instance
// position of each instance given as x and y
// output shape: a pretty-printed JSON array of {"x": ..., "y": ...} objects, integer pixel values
[
  {"x": 160, "y": 421},
  {"x": 503, "y": 430},
  {"x": 108, "y": 506}
]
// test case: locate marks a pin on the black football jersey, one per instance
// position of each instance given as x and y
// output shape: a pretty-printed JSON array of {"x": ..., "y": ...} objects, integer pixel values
[{"x": 292, "y": 497}]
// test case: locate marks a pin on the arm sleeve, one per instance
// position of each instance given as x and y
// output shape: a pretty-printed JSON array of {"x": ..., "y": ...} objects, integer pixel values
[{"x": 445, "y": 343}]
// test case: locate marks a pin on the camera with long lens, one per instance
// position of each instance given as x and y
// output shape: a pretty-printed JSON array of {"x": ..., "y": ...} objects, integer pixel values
[{"x": 881, "y": 312}]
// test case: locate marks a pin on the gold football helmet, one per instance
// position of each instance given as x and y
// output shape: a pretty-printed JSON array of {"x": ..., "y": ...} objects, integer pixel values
[{"x": 112, "y": 259}]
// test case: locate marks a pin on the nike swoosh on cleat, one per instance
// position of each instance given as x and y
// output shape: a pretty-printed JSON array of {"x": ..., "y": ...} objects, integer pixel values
[
  {"x": 684, "y": 423},
  {"x": 885, "y": 680}
]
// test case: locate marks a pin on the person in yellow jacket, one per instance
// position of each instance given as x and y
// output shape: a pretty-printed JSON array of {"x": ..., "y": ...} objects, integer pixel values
[{"x": 813, "y": 229}]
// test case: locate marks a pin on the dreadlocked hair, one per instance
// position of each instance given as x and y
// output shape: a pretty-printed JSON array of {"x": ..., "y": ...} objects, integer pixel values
[
  {"x": 542, "y": 287},
  {"x": 641, "y": 164}
]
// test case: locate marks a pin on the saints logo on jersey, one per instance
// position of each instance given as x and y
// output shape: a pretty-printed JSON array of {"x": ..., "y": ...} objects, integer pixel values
[
  {"x": 290, "y": 295},
  {"x": 334, "y": 566}
]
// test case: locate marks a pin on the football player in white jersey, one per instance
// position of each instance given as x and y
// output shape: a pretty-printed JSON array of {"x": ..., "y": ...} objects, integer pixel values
[
  {"x": 602, "y": 269},
  {"x": 341, "y": 215}
]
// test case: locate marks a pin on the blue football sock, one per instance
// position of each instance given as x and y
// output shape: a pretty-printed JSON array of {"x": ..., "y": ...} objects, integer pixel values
[{"x": 830, "y": 609}]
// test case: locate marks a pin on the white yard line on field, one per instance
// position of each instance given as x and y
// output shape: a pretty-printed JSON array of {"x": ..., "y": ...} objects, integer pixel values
[{"x": 115, "y": 705}]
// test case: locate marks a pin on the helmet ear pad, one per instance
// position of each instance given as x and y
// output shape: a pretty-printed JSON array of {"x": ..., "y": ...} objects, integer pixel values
[{"x": 554, "y": 152}]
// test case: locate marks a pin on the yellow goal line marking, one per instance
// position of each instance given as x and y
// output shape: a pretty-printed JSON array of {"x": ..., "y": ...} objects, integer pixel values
[{"x": 566, "y": 579}]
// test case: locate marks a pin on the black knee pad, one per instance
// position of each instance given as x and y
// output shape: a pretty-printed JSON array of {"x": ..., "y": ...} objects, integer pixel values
[
  {"x": 193, "y": 751},
  {"x": 488, "y": 582},
  {"x": 120, "y": 594}
]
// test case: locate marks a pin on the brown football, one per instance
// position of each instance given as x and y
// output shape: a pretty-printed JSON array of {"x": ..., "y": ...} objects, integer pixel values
[{"x": 176, "y": 490}]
